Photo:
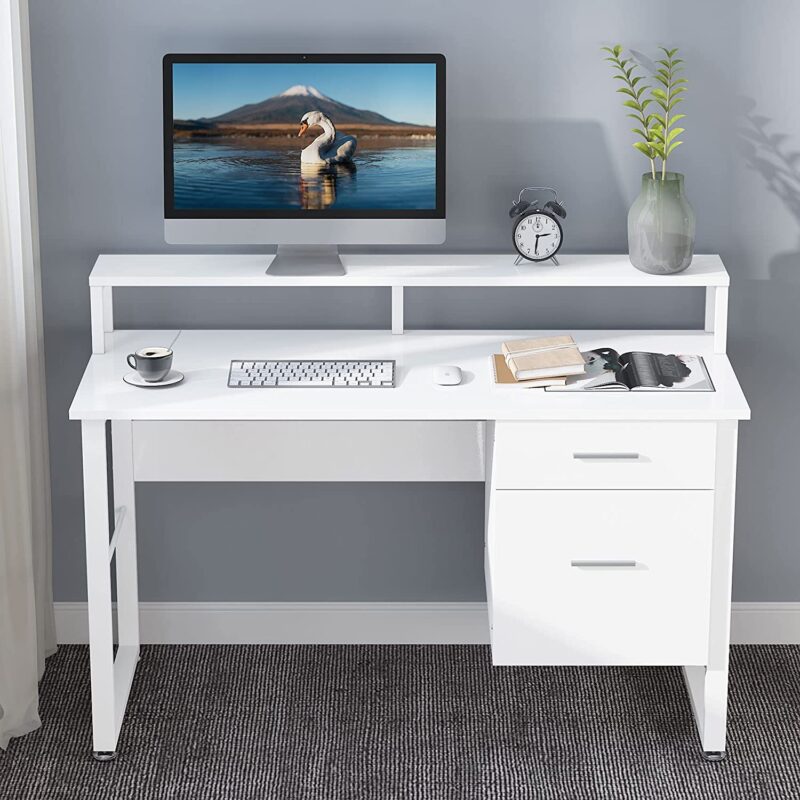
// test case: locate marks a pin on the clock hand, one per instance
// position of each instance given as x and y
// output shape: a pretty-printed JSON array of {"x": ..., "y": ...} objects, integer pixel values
[{"x": 536, "y": 248}]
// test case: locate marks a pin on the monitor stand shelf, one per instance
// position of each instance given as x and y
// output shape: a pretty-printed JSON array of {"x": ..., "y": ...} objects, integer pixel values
[{"x": 398, "y": 272}]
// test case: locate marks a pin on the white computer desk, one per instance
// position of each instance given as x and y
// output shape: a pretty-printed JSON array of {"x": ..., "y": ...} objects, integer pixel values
[{"x": 609, "y": 516}]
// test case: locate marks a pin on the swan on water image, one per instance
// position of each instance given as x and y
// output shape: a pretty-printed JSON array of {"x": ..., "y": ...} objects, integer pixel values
[
  {"x": 329, "y": 147},
  {"x": 282, "y": 136}
]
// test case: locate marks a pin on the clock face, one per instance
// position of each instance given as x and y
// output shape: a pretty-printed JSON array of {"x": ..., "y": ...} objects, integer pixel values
[{"x": 537, "y": 236}]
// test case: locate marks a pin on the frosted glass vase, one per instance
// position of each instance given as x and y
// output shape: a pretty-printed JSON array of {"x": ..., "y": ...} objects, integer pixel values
[{"x": 661, "y": 226}]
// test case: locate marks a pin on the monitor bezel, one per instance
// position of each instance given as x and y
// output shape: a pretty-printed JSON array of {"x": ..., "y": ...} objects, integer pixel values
[{"x": 170, "y": 212}]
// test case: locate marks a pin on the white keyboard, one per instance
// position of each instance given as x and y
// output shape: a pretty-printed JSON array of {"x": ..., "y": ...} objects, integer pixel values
[{"x": 310, "y": 374}]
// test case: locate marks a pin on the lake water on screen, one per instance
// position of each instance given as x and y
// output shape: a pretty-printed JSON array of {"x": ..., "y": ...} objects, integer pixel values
[{"x": 267, "y": 174}]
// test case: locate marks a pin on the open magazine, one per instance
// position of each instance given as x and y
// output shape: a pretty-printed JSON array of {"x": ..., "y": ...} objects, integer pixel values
[{"x": 607, "y": 370}]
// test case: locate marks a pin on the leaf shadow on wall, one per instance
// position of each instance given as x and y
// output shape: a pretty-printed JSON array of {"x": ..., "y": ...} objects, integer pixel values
[
  {"x": 764, "y": 303},
  {"x": 765, "y": 151}
]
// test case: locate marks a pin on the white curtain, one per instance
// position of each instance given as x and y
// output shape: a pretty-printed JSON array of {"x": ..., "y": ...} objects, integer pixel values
[{"x": 27, "y": 630}]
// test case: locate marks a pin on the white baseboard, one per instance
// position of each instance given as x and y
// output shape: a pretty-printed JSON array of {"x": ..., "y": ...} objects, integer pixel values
[
  {"x": 366, "y": 623},
  {"x": 765, "y": 623}
]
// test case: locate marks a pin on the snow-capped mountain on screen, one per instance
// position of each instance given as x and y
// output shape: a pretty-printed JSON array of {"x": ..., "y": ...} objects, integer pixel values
[
  {"x": 304, "y": 91},
  {"x": 289, "y": 106}
]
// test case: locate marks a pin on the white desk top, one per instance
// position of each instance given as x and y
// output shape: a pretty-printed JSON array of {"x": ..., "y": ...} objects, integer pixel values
[
  {"x": 204, "y": 357},
  {"x": 398, "y": 270}
]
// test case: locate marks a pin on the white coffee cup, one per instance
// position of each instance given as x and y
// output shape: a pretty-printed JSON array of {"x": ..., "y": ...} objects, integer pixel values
[{"x": 152, "y": 363}]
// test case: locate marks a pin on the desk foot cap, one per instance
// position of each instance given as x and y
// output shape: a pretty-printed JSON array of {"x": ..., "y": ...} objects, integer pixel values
[
  {"x": 714, "y": 755},
  {"x": 104, "y": 755}
]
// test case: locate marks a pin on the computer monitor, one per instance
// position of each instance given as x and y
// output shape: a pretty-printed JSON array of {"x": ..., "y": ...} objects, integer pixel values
[{"x": 306, "y": 152}]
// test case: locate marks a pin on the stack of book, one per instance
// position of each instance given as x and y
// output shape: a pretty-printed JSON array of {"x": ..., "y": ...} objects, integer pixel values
[{"x": 531, "y": 363}]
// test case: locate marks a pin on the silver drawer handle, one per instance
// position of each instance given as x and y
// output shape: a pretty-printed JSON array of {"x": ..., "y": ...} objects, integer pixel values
[
  {"x": 605, "y": 456},
  {"x": 603, "y": 563}
]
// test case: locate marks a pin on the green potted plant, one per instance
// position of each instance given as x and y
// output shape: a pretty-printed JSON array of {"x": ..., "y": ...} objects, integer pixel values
[{"x": 661, "y": 222}]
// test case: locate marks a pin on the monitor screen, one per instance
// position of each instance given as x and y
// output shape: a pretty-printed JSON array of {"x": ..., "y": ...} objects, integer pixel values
[{"x": 280, "y": 136}]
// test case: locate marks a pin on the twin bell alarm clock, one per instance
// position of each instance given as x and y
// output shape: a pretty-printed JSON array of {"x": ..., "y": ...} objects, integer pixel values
[{"x": 536, "y": 228}]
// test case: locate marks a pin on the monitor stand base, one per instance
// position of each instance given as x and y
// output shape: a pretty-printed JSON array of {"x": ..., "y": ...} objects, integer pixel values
[{"x": 297, "y": 260}]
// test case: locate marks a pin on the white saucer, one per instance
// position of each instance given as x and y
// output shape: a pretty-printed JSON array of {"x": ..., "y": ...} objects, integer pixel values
[{"x": 172, "y": 377}]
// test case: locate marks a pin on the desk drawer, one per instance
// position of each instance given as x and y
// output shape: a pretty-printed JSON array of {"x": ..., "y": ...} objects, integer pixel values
[
  {"x": 595, "y": 577},
  {"x": 604, "y": 455}
]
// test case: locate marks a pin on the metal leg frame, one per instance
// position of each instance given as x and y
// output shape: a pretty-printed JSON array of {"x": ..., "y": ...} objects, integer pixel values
[
  {"x": 708, "y": 685},
  {"x": 111, "y": 675}
]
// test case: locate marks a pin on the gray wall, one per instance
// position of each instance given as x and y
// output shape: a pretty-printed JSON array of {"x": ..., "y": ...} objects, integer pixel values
[{"x": 529, "y": 99}]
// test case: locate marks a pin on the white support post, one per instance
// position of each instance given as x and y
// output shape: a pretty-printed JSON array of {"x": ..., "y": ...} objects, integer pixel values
[
  {"x": 397, "y": 309},
  {"x": 125, "y": 502},
  {"x": 102, "y": 315},
  {"x": 710, "y": 295},
  {"x": 108, "y": 309},
  {"x": 708, "y": 685},
  {"x": 717, "y": 316},
  {"x": 98, "y": 584}
]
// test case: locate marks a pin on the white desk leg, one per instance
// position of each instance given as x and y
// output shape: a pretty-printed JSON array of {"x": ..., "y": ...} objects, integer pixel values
[
  {"x": 708, "y": 686},
  {"x": 98, "y": 584},
  {"x": 125, "y": 540}
]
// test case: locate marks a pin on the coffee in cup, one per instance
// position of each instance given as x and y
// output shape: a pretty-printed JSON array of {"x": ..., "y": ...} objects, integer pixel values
[{"x": 152, "y": 363}]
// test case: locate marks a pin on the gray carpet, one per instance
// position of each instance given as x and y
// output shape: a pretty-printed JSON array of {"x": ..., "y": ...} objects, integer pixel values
[{"x": 391, "y": 722}]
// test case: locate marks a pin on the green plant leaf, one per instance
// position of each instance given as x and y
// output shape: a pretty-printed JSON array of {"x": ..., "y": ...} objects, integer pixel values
[
  {"x": 632, "y": 104},
  {"x": 642, "y": 147},
  {"x": 657, "y": 117},
  {"x": 675, "y": 132},
  {"x": 673, "y": 119},
  {"x": 617, "y": 49},
  {"x": 659, "y": 93},
  {"x": 640, "y": 132},
  {"x": 674, "y": 102},
  {"x": 663, "y": 81},
  {"x": 626, "y": 90},
  {"x": 673, "y": 146}
]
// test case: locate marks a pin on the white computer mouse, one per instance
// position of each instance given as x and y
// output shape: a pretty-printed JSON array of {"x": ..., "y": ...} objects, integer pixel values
[{"x": 447, "y": 376}]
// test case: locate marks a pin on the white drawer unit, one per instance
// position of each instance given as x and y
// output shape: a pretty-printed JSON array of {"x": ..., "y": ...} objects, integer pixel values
[
  {"x": 604, "y": 455},
  {"x": 610, "y": 543},
  {"x": 597, "y": 577}
]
